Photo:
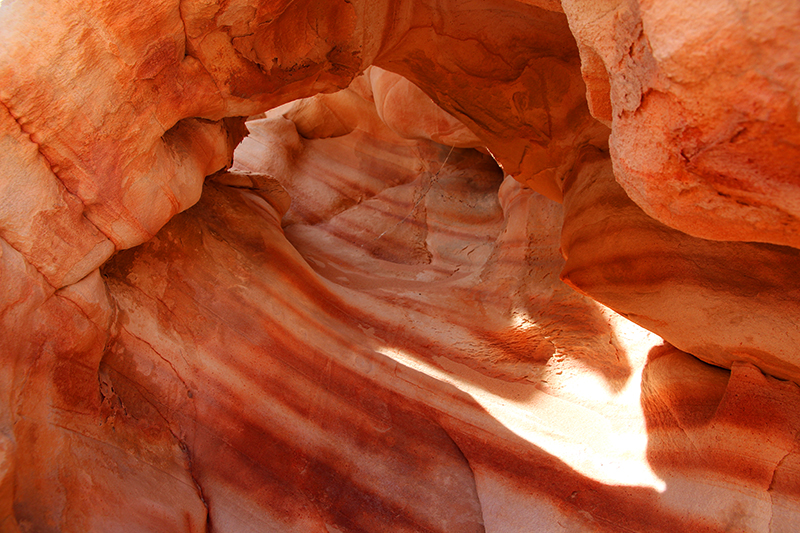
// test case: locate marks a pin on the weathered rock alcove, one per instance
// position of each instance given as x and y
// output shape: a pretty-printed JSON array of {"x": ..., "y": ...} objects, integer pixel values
[{"x": 357, "y": 266}]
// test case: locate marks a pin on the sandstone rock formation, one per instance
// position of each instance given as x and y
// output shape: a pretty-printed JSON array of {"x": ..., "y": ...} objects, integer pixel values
[
  {"x": 703, "y": 101},
  {"x": 712, "y": 299},
  {"x": 348, "y": 314}
]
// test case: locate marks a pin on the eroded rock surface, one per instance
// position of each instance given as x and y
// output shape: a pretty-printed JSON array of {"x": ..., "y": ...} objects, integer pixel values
[
  {"x": 703, "y": 101},
  {"x": 362, "y": 325},
  {"x": 712, "y": 299}
]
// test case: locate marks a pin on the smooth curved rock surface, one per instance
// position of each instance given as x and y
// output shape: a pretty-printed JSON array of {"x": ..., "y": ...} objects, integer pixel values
[
  {"x": 714, "y": 300},
  {"x": 362, "y": 389},
  {"x": 142, "y": 96},
  {"x": 360, "y": 326}
]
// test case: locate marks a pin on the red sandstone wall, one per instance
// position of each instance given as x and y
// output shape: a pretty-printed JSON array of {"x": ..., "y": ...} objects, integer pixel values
[{"x": 416, "y": 301}]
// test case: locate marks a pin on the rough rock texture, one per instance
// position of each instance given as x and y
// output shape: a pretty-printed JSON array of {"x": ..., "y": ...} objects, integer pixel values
[
  {"x": 704, "y": 104},
  {"x": 362, "y": 325},
  {"x": 141, "y": 94}
]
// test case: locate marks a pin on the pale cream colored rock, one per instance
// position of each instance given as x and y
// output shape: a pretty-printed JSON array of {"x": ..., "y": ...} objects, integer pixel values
[
  {"x": 135, "y": 90},
  {"x": 410, "y": 113}
]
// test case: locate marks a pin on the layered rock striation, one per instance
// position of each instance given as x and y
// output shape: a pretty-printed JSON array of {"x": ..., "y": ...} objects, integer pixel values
[{"x": 388, "y": 266}]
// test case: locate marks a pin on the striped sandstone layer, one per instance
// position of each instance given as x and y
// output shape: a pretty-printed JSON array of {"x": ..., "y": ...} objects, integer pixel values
[{"x": 361, "y": 326}]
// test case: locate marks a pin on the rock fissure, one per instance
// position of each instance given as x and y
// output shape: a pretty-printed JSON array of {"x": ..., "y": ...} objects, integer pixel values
[
  {"x": 155, "y": 351},
  {"x": 191, "y": 470},
  {"x": 50, "y": 165},
  {"x": 62, "y": 185}
]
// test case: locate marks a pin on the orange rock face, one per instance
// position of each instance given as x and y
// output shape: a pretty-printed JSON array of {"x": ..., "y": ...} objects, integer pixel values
[
  {"x": 705, "y": 134},
  {"x": 711, "y": 299},
  {"x": 419, "y": 289}
]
